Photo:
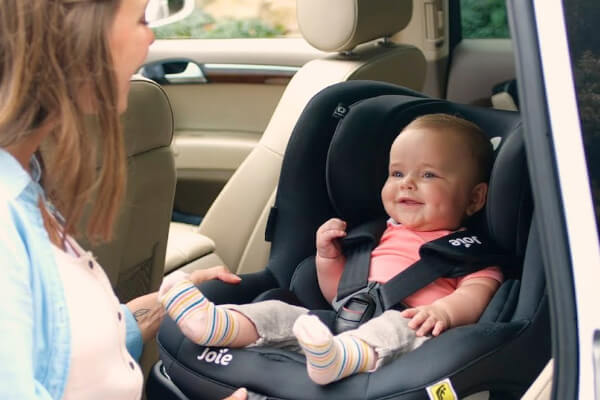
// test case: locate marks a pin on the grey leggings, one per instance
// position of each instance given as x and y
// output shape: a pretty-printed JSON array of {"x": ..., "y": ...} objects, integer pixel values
[{"x": 388, "y": 334}]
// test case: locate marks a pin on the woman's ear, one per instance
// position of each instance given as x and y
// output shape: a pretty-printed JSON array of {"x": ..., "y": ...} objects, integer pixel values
[{"x": 478, "y": 198}]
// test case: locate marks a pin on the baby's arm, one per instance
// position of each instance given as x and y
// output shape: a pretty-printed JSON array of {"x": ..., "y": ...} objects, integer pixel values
[
  {"x": 330, "y": 260},
  {"x": 464, "y": 306}
]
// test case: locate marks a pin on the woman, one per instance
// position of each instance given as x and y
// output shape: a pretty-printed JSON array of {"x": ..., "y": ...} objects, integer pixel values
[{"x": 64, "y": 63}]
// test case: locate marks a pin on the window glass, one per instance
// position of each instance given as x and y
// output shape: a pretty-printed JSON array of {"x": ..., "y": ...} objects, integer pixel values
[
  {"x": 218, "y": 19},
  {"x": 482, "y": 19},
  {"x": 582, "y": 18}
]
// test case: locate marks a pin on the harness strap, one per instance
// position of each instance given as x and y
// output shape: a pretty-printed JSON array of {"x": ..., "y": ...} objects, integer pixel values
[
  {"x": 457, "y": 254},
  {"x": 357, "y": 247},
  {"x": 354, "y": 278},
  {"x": 417, "y": 276}
]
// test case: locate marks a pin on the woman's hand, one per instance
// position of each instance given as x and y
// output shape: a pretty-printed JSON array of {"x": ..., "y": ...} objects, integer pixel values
[
  {"x": 221, "y": 272},
  {"x": 148, "y": 311},
  {"x": 240, "y": 394},
  {"x": 201, "y": 275}
]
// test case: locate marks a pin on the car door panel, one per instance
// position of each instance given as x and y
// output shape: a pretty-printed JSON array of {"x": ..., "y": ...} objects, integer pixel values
[
  {"x": 222, "y": 102},
  {"x": 477, "y": 66},
  {"x": 216, "y": 127}
]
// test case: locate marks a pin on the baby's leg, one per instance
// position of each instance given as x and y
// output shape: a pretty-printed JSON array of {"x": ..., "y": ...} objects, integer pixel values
[
  {"x": 273, "y": 321},
  {"x": 330, "y": 358},
  {"x": 389, "y": 335},
  {"x": 203, "y": 322}
]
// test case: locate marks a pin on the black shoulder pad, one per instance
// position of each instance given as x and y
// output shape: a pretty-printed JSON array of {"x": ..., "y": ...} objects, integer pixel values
[{"x": 466, "y": 247}]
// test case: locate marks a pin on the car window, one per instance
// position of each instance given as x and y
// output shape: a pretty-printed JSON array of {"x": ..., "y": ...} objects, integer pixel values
[
  {"x": 582, "y": 17},
  {"x": 482, "y": 19},
  {"x": 223, "y": 19}
]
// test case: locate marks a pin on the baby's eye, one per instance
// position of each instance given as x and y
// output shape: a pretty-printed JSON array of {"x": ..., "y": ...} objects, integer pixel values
[
  {"x": 397, "y": 174},
  {"x": 428, "y": 174}
]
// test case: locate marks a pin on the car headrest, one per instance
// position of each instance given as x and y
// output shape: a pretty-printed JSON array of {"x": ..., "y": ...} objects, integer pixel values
[
  {"x": 341, "y": 25},
  {"x": 148, "y": 121},
  {"x": 357, "y": 164}
]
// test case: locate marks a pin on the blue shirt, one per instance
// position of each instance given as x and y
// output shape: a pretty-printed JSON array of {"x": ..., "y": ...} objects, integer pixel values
[{"x": 35, "y": 346}]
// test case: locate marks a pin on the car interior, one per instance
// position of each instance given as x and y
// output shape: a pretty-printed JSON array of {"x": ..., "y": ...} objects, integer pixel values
[
  {"x": 243, "y": 249},
  {"x": 215, "y": 140},
  {"x": 134, "y": 259},
  {"x": 346, "y": 166},
  {"x": 358, "y": 51}
]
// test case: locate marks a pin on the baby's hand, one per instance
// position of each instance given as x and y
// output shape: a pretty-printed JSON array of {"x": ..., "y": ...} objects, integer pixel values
[
  {"x": 426, "y": 319},
  {"x": 327, "y": 244}
]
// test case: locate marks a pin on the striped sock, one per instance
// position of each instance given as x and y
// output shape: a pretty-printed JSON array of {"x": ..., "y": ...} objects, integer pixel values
[
  {"x": 198, "y": 318},
  {"x": 330, "y": 358}
]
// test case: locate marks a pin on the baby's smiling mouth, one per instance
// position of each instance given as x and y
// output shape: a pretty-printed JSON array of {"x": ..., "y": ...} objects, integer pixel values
[{"x": 408, "y": 202}]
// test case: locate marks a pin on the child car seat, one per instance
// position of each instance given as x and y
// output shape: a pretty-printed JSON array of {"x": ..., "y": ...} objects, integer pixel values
[{"x": 335, "y": 165}]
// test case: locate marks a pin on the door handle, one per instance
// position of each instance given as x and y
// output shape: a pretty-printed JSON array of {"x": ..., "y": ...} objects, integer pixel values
[{"x": 174, "y": 72}]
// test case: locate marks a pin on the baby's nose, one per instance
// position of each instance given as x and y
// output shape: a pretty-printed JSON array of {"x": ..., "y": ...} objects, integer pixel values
[{"x": 407, "y": 182}]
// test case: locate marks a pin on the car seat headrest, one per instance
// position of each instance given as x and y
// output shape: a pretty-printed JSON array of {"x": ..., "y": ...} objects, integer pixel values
[
  {"x": 357, "y": 164},
  {"x": 510, "y": 205},
  {"x": 341, "y": 25},
  {"x": 148, "y": 120}
]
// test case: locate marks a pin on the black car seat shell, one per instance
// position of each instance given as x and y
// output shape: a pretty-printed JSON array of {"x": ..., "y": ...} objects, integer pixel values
[{"x": 335, "y": 165}]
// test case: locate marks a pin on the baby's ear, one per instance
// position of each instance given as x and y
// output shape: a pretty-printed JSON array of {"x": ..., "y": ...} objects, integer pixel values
[{"x": 478, "y": 197}]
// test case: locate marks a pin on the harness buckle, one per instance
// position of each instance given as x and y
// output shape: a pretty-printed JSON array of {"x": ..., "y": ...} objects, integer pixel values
[{"x": 357, "y": 308}]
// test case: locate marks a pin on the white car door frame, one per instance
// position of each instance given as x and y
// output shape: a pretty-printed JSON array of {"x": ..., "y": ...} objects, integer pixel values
[{"x": 563, "y": 200}]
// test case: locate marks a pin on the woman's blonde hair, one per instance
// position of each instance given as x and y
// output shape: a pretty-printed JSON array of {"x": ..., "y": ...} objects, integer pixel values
[{"x": 55, "y": 63}]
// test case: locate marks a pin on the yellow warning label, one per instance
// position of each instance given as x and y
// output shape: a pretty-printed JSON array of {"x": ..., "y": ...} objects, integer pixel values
[{"x": 442, "y": 390}]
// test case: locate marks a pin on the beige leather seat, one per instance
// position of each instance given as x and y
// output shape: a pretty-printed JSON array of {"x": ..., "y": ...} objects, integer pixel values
[
  {"x": 232, "y": 232},
  {"x": 134, "y": 259},
  {"x": 541, "y": 388}
]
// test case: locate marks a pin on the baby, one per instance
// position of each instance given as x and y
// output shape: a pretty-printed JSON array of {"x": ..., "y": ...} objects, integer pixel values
[{"x": 438, "y": 172}]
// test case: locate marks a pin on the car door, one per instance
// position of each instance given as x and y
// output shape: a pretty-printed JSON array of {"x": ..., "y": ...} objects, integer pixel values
[
  {"x": 224, "y": 69},
  {"x": 558, "y": 64}
]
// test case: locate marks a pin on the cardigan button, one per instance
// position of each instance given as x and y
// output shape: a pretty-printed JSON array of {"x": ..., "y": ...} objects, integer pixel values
[
  {"x": 91, "y": 264},
  {"x": 119, "y": 315},
  {"x": 131, "y": 364}
]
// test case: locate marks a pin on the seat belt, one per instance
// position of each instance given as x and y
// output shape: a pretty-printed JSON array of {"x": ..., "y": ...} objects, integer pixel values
[
  {"x": 456, "y": 254},
  {"x": 357, "y": 247}
]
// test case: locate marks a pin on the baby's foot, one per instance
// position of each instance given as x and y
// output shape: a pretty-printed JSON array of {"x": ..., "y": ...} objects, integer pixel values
[
  {"x": 198, "y": 318},
  {"x": 330, "y": 358}
]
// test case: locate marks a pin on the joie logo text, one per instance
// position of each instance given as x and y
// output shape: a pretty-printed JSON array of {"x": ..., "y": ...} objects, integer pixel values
[
  {"x": 466, "y": 241},
  {"x": 212, "y": 356}
]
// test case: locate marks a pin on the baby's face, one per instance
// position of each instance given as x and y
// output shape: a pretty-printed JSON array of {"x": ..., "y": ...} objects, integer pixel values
[{"x": 431, "y": 180}]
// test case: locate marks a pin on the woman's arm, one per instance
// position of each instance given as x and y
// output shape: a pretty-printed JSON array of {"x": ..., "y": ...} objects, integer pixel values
[
  {"x": 143, "y": 316},
  {"x": 17, "y": 330}
]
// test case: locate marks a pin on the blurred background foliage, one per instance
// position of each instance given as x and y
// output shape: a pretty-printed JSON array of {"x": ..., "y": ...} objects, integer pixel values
[
  {"x": 479, "y": 18},
  {"x": 484, "y": 19},
  {"x": 201, "y": 25},
  {"x": 584, "y": 45}
]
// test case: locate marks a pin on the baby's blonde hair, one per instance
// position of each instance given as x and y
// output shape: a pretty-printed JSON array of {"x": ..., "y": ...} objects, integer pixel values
[
  {"x": 480, "y": 145},
  {"x": 52, "y": 51}
]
